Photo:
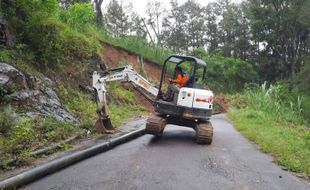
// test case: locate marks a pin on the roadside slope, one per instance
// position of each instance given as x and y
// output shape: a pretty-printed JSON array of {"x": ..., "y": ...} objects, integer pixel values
[{"x": 115, "y": 56}]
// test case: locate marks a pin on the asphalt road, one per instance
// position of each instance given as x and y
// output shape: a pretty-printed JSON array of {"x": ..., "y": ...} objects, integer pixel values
[{"x": 175, "y": 161}]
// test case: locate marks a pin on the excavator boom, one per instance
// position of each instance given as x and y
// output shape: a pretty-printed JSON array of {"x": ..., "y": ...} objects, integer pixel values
[{"x": 123, "y": 74}]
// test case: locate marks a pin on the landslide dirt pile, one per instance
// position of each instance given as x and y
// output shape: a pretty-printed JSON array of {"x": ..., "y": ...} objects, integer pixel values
[{"x": 221, "y": 103}]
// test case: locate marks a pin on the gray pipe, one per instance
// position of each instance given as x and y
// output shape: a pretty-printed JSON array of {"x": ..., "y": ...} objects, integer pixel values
[{"x": 55, "y": 165}]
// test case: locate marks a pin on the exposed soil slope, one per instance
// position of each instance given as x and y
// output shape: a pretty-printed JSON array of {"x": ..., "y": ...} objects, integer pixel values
[{"x": 114, "y": 55}]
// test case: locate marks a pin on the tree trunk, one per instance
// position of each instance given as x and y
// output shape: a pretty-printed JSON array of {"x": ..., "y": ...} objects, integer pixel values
[{"x": 99, "y": 14}]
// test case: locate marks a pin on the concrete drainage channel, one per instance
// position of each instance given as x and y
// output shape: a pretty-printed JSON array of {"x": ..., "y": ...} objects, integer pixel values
[{"x": 55, "y": 165}]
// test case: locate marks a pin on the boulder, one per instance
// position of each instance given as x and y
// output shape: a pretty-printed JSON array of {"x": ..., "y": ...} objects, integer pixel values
[
  {"x": 11, "y": 79},
  {"x": 34, "y": 94}
]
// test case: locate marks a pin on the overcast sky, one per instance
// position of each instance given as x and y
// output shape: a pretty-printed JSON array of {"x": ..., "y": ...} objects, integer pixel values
[{"x": 139, "y": 6}]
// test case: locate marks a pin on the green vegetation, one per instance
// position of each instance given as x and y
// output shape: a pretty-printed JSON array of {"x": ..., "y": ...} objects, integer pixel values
[
  {"x": 6, "y": 122},
  {"x": 124, "y": 106},
  {"x": 80, "y": 105},
  {"x": 121, "y": 107},
  {"x": 78, "y": 15},
  {"x": 225, "y": 74},
  {"x": 273, "y": 117},
  {"x": 48, "y": 35},
  {"x": 18, "y": 138},
  {"x": 141, "y": 47}
]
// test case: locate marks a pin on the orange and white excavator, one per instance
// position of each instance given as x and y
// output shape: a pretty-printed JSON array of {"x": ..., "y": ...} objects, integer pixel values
[{"x": 189, "y": 104}]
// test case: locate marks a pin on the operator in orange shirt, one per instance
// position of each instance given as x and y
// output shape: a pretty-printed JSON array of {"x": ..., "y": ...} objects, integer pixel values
[
  {"x": 180, "y": 81},
  {"x": 181, "y": 77}
]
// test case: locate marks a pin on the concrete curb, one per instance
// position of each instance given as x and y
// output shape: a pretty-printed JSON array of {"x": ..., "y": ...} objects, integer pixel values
[{"x": 55, "y": 165}]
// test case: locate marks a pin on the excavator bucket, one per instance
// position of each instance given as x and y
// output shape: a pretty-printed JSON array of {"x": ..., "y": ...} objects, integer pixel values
[{"x": 104, "y": 124}]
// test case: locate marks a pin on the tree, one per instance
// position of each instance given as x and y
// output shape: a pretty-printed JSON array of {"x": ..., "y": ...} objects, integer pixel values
[
  {"x": 280, "y": 27},
  {"x": 174, "y": 32},
  {"x": 194, "y": 23},
  {"x": 212, "y": 12},
  {"x": 99, "y": 15},
  {"x": 137, "y": 27},
  {"x": 235, "y": 32},
  {"x": 117, "y": 20},
  {"x": 154, "y": 12}
]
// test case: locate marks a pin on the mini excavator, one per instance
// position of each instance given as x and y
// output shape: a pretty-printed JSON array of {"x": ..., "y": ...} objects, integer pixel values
[{"x": 189, "y": 106}]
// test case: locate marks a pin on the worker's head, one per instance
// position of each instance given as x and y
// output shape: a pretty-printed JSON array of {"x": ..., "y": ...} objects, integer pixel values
[{"x": 179, "y": 70}]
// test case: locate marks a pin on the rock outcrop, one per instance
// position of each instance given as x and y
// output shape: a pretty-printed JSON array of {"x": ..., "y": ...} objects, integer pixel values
[{"x": 35, "y": 95}]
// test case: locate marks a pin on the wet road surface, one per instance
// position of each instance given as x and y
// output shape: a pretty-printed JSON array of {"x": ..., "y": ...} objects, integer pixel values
[{"x": 175, "y": 161}]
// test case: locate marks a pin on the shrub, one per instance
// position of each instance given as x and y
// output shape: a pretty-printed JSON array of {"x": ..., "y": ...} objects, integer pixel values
[
  {"x": 6, "y": 122},
  {"x": 3, "y": 95},
  {"x": 199, "y": 53},
  {"x": 54, "y": 42},
  {"x": 38, "y": 26},
  {"x": 228, "y": 75},
  {"x": 78, "y": 15},
  {"x": 20, "y": 12},
  {"x": 301, "y": 81},
  {"x": 44, "y": 38},
  {"x": 80, "y": 104},
  {"x": 301, "y": 84}
]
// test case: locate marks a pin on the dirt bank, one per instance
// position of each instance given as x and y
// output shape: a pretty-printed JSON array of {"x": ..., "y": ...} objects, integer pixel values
[{"x": 115, "y": 55}]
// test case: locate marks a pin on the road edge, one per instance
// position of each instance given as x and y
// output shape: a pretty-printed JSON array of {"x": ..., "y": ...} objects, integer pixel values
[{"x": 60, "y": 163}]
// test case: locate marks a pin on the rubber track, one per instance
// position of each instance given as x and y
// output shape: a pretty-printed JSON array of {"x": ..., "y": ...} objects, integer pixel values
[
  {"x": 204, "y": 133},
  {"x": 155, "y": 125}
]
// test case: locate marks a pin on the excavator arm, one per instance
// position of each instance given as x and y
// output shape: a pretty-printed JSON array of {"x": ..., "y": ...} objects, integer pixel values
[{"x": 123, "y": 74}]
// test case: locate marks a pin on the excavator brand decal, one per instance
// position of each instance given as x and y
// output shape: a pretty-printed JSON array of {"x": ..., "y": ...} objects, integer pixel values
[
  {"x": 144, "y": 84},
  {"x": 206, "y": 100}
]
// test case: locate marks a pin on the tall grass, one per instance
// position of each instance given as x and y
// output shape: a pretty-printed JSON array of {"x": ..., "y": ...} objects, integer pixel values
[
  {"x": 272, "y": 116},
  {"x": 134, "y": 44},
  {"x": 276, "y": 100}
]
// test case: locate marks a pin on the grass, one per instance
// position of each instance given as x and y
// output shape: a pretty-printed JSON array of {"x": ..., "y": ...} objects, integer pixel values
[
  {"x": 289, "y": 144},
  {"x": 141, "y": 47},
  {"x": 122, "y": 106},
  {"x": 80, "y": 105},
  {"x": 26, "y": 135},
  {"x": 275, "y": 124},
  {"x": 135, "y": 44},
  {"x": 18, "y": 57}
]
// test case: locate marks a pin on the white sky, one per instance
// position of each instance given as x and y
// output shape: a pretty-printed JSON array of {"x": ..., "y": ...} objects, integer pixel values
[{"x": 139, "y": 6}]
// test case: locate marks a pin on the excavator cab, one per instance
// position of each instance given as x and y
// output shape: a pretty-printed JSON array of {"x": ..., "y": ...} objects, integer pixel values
[{"x": 194, "y": 69}]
